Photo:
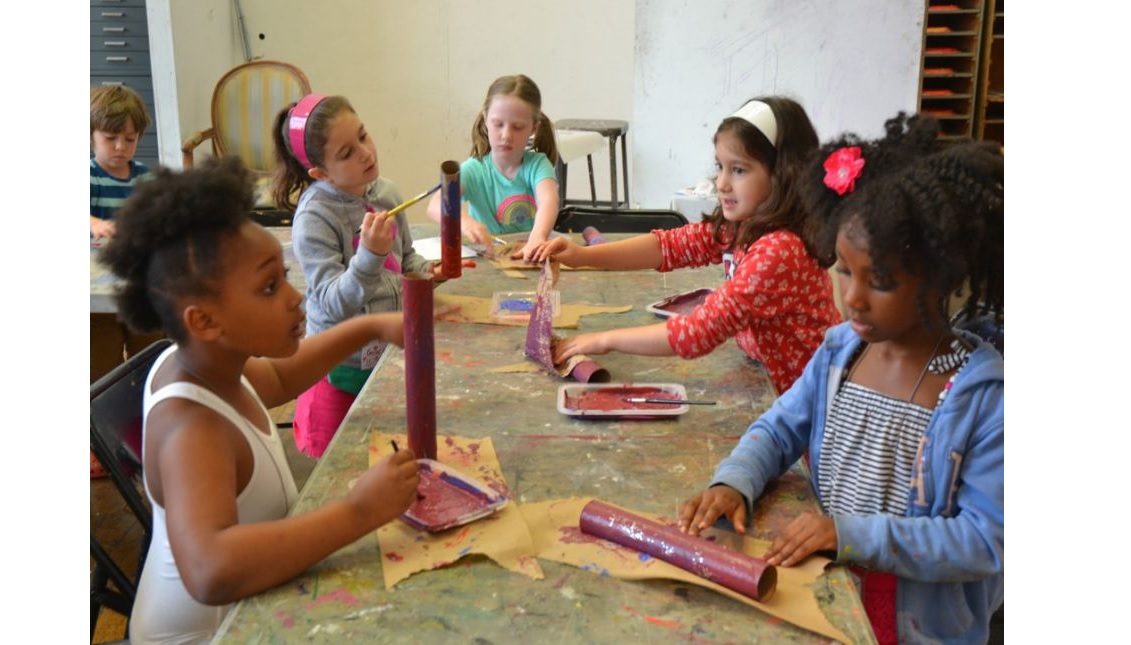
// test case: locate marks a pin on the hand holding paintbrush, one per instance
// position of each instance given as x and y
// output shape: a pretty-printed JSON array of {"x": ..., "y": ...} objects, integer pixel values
[{"x": 392, "y": 212}]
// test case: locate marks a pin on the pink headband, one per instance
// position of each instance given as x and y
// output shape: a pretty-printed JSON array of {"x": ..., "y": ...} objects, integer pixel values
[{"x": 296, "y": 127}]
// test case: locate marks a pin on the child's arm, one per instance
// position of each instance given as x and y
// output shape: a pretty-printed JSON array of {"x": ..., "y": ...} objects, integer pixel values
[
  {"x": 639, "y": 252},
  {"x": 651, "y": 340},
  {"x": 279, "y": 380},
  {"x": 546, "y": 195},
  {"x": 221, "y": 560},
  {"x": 468, "y": 225}
]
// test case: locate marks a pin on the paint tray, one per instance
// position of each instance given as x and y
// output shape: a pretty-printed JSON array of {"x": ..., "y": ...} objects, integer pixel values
[
  {"x": 447, "y": 498},
  {"x": 679, "y": 304},
  {"x": 516, "y": 306},
  {"x": 606, "y": 400}
]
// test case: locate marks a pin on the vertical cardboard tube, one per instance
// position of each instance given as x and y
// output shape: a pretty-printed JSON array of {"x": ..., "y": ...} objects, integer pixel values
[
  {"x": 749, "y": 576},
  {"x": 419, "y": 365},
  {"x": 450, "y": 246}
]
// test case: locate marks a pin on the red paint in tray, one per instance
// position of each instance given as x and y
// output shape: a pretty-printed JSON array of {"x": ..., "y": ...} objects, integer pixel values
[
  {"x": 614, "y": 399},
  {"x": 447, "y": 498},
  {"x": 680, "y": 304},
  {"x": 607, "y": 400}
]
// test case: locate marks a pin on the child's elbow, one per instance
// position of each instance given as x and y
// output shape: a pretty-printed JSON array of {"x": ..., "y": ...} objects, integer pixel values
[{"x": 214, "y": 584}]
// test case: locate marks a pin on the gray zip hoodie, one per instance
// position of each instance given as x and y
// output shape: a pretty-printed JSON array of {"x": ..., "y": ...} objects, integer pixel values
[{"x": 343, "y": 278}]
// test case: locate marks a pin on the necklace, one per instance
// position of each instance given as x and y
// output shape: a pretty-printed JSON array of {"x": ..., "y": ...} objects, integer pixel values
[{"x": 922, "y": 374}]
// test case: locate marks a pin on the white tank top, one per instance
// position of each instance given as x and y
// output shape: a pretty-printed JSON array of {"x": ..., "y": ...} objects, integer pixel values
[{"x": 164, "y": 612}]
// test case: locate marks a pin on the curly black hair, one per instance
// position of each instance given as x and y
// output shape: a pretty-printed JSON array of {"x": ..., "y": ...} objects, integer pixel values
[
  {"x": 932, "y": 208},
  {"x": 169, "y": 237}
]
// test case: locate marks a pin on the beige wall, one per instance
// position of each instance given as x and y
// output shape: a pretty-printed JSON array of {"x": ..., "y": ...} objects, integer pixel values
[{"x": 417, "y": 72}]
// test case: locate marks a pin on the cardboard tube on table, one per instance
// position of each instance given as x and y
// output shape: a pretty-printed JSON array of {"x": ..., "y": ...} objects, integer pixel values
[
  {"x": 745, "y": 574},
  {"x": 419, "y": 365},
  {"x": 450, "y": 244}
]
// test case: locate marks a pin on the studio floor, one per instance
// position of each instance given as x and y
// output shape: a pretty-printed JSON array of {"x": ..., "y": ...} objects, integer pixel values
[{"x": 116, "y": 529}]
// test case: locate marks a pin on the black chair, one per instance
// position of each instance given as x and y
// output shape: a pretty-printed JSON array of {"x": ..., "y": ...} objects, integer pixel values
[
  {"x": 271, "y": 217},
  {"x": 574, "y": 219},
  {"x": 115, "y": 439}
]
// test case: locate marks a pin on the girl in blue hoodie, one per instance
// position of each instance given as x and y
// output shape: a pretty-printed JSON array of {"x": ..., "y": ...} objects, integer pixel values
[{"x": 900, "y": 415}]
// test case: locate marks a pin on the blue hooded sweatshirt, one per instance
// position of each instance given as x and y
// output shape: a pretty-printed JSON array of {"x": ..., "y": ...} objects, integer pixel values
[{"x": 948, "y": 550}]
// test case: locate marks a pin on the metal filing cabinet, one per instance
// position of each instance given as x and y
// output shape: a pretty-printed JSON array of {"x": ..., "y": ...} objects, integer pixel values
[{"x": 119, "y": 55}]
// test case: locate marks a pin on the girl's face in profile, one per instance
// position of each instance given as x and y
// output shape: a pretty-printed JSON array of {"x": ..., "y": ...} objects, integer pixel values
[
  {"x": 259, "y": 310},
  {"x": 880, "y": 307},
  {"x": 510, "y": 123},
  {"x": 349, "y": 159},
  {"x": 743, "y": 182}
]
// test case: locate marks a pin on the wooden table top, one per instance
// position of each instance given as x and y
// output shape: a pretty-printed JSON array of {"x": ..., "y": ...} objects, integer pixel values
[{"x": 650, "y": 466}]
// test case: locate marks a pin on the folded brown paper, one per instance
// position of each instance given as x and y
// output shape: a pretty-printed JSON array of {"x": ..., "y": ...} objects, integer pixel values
[
  {"x": 503, "y": 536},
  {"x": 555, "y": 527}
]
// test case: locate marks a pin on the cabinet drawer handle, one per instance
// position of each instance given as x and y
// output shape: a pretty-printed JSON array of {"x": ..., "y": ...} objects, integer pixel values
[
  {"x": 112, "y": 14},
  {"x": 114, "y": 43},
  {"x": 116, "y": 30},
  {"x": 117, "y": 59},
  {"x": 114, "y": 83}
]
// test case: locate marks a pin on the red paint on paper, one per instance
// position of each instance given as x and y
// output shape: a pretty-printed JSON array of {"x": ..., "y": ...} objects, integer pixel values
[{"x": 607, "y": 399}]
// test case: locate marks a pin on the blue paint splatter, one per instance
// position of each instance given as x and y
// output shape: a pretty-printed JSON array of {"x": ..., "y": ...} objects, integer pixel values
[
  {"x": 644, "y": 557},
  {"x": 517, "y": 305},
  {"x": 464, "y": 551}
]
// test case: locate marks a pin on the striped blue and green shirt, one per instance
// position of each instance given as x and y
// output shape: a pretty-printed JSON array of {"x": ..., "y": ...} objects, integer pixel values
[{"x": 107, "y": 193}]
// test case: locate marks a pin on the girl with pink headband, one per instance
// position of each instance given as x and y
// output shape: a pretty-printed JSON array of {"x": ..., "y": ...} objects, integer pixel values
[
  {"x": 351, "y": 252},
  {"x": 776, "y": 300}
]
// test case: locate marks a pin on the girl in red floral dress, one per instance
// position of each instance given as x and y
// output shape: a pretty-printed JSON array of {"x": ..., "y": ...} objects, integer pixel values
[{"x": 777, "y": 300}]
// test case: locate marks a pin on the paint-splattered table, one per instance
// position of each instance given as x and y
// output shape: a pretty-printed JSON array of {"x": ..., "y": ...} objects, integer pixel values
[{"x": 651, "y": 466}]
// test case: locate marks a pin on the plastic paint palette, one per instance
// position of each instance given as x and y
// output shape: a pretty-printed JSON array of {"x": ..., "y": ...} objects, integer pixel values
[
  {"x": 448, "y": 498},
  {"x": 517, "y": 306},
  {"x": 680, "y": 304},
  {"x": 607, "y": 400}
]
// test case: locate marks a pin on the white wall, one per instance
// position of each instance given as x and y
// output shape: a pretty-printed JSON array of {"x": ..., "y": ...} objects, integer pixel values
[
  {"x": 417, "y": 71},
  {"x": 851, "y": 64}
]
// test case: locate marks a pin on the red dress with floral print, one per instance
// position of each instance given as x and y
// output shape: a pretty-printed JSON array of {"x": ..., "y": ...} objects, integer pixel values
[{"x": 777, "y": 304}]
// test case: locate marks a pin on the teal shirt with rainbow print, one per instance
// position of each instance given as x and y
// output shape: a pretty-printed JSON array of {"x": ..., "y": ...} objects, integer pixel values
[{"x": 504, "y": 205}]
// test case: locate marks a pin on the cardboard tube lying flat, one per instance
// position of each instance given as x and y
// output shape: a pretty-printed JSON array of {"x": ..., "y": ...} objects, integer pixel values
[
  {"x": 450, "y": 245},
  {"x": 419, "y": 365},
  {"x": 588, "y": 371},
  {"x": 749, "y": 576}
]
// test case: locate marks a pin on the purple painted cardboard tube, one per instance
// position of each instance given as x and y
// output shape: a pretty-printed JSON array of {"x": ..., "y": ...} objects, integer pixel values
[
  {"x": 589, "y": 372},
  {"x": 737, "y": 571},
  {"x": 419, "y": 365},
  {"x": 450, "y": 247}
]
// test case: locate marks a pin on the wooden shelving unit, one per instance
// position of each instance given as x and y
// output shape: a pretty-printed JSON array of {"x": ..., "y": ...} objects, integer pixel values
[
  {"x": 991, "y": 103},
  {"x": 961, "y": 75}
]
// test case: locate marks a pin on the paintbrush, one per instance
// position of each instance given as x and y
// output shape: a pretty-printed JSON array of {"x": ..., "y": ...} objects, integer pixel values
[
  {"x": 400, "y": 207},
  {"x": 642, "y": 399},
  {"x": 396, "y": 449}
]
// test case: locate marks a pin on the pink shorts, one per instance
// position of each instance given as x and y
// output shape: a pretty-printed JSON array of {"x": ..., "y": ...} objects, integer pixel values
[{"x": 318, "y": 413}]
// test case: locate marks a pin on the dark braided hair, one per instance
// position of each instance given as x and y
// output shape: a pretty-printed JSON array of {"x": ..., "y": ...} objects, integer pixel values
[
  {"x": 169, "y": 239},
  {"x": 933, "y": 209}
]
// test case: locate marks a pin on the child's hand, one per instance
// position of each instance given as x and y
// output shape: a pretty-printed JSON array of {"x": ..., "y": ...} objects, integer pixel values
[
  {"x": 387, "y": 489},
  {"x": 101, "y": 228},
  {"x": 701, "y": 511},
  {"x": 438, "y": 270},
  {"x": 560, "y": 249},
  {"x": 474, "y": 231},
  {"x": 389, "y": 327},
  {"x": 378, "y": 231},
  {"x": 529, "y": 250},
  {"x": 592, "y": 343},
  {"x": 806, "y": 534}
]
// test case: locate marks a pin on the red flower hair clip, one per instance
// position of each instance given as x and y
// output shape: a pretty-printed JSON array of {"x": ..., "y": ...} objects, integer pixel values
[{"x": 842, "y": 168}]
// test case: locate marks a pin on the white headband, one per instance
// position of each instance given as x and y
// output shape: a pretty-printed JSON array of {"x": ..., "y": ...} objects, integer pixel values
[{"x": 761, "y": 116}]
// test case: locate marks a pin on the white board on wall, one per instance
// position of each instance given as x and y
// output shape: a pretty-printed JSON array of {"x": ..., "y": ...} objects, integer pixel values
[{"x": 852, "y": 64}]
